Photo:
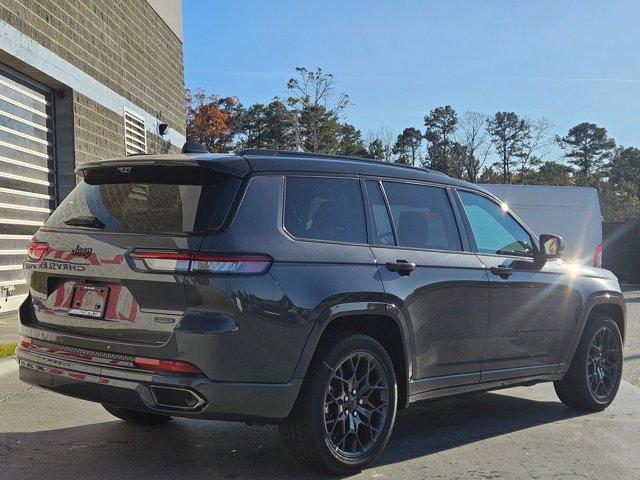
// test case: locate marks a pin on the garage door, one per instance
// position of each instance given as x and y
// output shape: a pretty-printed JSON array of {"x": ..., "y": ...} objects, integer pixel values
[{"x": 26, "y": 176}]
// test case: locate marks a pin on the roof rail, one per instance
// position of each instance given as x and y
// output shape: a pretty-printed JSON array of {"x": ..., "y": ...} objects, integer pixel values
[{"x": 264, "y": 152}]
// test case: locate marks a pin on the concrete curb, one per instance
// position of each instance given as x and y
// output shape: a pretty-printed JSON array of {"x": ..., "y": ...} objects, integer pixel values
[{"x": 8, "y": 366}]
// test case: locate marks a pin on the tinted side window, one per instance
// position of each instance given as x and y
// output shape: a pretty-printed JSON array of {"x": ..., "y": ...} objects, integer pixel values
[
  {"x": 382, "y": 233},
  {"x": 325, "y": 209},
  {"x": 422, "y": 216},
  {"x": 494, "y": 230}
]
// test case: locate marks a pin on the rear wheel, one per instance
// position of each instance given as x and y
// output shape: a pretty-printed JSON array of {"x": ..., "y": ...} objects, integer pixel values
[
  {"x": 593, "y": 379},
  {"x": 140, "y": 418},
  {"x": 344, "y": 415}
]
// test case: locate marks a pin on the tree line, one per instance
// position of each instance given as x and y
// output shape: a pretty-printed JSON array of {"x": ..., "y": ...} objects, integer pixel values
[{"x": 501, "y": 148}]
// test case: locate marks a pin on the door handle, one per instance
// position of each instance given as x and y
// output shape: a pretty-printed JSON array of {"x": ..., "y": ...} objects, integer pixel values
[
  {"x": 504, "y": 272},
  {"x": 402, "y": 267}
]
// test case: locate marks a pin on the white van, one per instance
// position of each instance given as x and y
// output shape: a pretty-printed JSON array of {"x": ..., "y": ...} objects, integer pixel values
[{"x": 572, "y": 212}]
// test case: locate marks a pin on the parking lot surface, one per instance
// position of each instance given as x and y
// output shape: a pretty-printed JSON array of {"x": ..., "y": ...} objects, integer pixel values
[
  {"x": 631, "y": 367},
  {"x": 518, "y": 433},
  {"x": 8, "y": 327}
]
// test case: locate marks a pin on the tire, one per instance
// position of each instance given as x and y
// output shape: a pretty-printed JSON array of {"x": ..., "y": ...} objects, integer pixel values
[
  {"x": 576, "y": 390},
  {"x": 139, "y": 418},
  {"x": 321, "y": 405}
]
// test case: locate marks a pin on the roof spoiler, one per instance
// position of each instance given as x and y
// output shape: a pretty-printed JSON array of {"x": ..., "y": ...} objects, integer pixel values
[{"x": 193, "y": 147}]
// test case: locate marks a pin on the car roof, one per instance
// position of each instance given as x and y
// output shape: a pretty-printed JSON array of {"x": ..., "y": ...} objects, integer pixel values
[{"x": 280, "y": 161}]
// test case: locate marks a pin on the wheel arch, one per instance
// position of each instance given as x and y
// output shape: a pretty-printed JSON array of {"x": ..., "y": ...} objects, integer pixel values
[
  {"x": 382, "y": 321},
  {"x": 609, "y": 303},
  {"x": 613, "y": 310}
]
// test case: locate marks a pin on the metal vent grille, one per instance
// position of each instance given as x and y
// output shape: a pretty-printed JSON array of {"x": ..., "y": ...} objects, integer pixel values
[{"x": 135, "y": 134}]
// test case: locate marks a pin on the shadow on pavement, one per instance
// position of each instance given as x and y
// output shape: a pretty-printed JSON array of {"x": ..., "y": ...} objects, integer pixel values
[
  {"x": 193, "y": 449},
  {"x": 427, "y": 428}
]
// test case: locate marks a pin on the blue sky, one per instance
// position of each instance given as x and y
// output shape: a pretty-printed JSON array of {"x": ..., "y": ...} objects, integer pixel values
[{"x": 569, "y": 61}]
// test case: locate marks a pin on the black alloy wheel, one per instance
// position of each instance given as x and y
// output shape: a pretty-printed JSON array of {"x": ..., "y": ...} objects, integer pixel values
[
  {"x": 593, "y": 378},
  {"x": 345, "y": 412},
  {"x": 603, "y": 363},
  {"x": 356, "y": 404}
]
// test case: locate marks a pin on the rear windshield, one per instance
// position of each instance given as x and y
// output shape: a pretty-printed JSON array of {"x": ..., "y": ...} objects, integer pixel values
[{"x": 148, "y": 199}]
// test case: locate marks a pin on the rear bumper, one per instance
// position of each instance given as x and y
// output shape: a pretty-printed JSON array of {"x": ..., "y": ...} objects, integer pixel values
[{"x": 123, "y": 387}]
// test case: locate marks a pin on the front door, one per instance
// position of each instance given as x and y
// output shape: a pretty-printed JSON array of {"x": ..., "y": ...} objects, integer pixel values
[
  {"x": 441, "y": 289},
  {"x": 530, "y": 301}
]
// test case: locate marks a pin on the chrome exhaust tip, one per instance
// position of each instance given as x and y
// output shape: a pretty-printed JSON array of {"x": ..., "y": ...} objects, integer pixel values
[{"x": 176, "y": 398}]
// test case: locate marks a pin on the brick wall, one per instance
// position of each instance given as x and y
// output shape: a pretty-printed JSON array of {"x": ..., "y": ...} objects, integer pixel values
[
  {"x": 99, "y": 132},
  {"x": 123, "y": 44}
]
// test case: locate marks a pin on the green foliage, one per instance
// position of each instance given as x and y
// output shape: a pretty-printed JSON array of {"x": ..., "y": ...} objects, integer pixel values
[
  {"x": 619, "y": 203},
  {"x": 318, "y": 129},
  {"x": 490, "y": 175},
  {"x": 376, "y": 150},
  {"x": 268, "y": 126},
  {"x": 587, "y": 146},
  {"x": 350, "y": 141},
  {"x": 7, "y": 349},
  {"x": 624, "y": 168},
  {"x": 620, "y": 194},
  {"x": 509, "y": 134},
  {"x": 317, "y": 106},
  {"x": 407, "y": 146},
  {"x": 443, "y": 150},
  {"x": 548, "y": 173}
]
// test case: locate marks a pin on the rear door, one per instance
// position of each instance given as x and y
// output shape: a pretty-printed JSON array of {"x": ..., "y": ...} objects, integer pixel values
[
  {"x": 440, "y": 287},
  {"x": 108, "y": 266}
]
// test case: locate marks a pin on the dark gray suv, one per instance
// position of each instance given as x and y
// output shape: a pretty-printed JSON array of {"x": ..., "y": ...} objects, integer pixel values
[{"x": 320, "y": 293}]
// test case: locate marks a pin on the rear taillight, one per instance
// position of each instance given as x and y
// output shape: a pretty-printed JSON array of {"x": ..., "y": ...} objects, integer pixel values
[
  {"x": 597, "y": 256},
  {"x": 230, "y": 263},
  {"x": 37, "y": 250},
  {"x": 170, "y": 261},
  {"x": 25, "y": 342},
  {"x": 163, "y": 260},
  {"x": 169, "y": 366}
]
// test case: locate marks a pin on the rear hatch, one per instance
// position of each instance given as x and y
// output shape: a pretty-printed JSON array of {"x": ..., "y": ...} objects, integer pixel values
[{"x": 107, "y": 263}]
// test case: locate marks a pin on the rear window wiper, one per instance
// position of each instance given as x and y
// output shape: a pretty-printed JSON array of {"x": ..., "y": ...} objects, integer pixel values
[{"x": 88, "y": 221}]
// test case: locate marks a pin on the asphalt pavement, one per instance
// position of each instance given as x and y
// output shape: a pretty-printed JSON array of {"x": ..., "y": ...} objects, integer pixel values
[
  {"x": 631, "y": 369},
  {"x": 518, "y": 433},
  {"x": 8, "y": 328}
]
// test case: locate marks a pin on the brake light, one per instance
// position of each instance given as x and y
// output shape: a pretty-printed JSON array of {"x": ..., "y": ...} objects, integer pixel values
[
  {"x": 25, "y": 342},
  {"x": 597, "y": 256},
  {"x": 37, "y": 250},
  {"x": 169, "y": 366},
  {"x": 197, "y": 262}
]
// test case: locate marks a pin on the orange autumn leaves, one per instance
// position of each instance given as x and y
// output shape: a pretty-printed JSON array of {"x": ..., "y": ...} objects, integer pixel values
[{"x": 212, "y": 120}]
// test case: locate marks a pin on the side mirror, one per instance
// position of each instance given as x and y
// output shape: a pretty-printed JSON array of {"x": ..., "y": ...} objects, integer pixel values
[{"x": 551, "y": 246}]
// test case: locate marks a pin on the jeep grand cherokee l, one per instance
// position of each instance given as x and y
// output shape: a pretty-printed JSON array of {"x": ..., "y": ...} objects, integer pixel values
[{"x": 320, "y": 293}]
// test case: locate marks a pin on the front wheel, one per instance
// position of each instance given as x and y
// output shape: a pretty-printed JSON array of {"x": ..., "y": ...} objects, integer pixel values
[
  {"x": 344, "y": 415},
  {"x": 592, "y": 381}
]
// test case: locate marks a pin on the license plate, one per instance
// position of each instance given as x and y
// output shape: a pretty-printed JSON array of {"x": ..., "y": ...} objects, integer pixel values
[{"x": 88, "y": 301}]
